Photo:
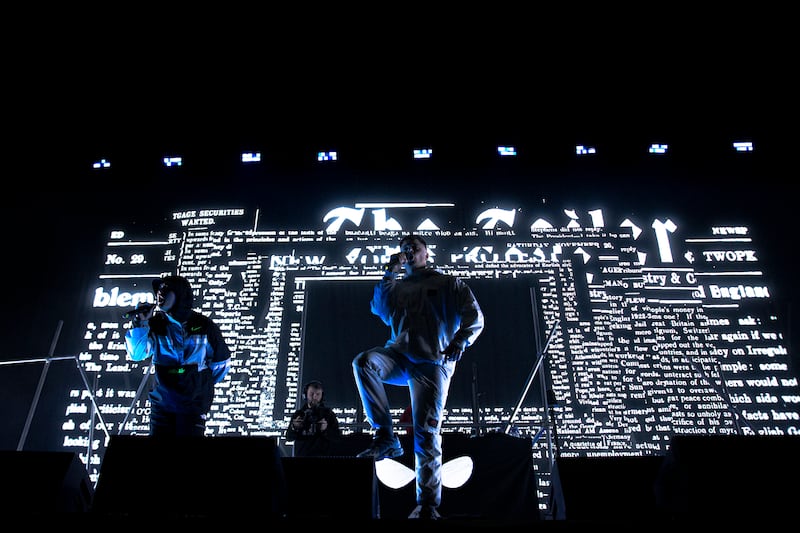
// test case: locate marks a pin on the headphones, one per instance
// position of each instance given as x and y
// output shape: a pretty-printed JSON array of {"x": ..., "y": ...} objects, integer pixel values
[{"x": 315, "y": 383}]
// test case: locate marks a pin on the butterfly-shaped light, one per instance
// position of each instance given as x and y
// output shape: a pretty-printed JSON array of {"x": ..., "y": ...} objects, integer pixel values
[{"x": 395, "y": 475}]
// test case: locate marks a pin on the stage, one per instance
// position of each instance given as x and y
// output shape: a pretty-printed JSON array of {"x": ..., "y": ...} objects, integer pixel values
[{"x": 489, "y": 482}]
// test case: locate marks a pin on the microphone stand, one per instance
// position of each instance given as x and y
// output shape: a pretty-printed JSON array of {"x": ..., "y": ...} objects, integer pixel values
[
  {"x": 476, "y": 417},
  {"x": 529, "y": 381},
  {"x": 43, "y": 377},
  {"x": 551, "y": 463}
]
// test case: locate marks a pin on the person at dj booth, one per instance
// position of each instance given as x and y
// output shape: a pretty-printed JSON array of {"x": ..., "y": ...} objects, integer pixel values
[
  {"x": 189, "y": 354},
  {"x": 314, "y": 427}
]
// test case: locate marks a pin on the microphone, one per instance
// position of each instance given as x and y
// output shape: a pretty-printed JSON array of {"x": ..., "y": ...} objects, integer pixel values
[
  {"x": 143, "y": 308},
  {"x": 410, "y": 256},
  {"x": 393, "y": 260}
]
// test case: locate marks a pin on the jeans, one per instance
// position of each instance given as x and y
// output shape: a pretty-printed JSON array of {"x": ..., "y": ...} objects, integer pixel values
[{"x": 428, "y": 384}]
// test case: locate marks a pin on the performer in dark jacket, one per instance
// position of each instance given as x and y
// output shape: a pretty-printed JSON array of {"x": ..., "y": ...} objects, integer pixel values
[
  {"x": 433, "y": 318},
  {"x": 314, "y": 427},
  {"x": 189, "y": 356}
]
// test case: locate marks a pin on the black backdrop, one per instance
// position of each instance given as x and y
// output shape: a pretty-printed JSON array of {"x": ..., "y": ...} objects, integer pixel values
[{"x": 339, "y": 325}]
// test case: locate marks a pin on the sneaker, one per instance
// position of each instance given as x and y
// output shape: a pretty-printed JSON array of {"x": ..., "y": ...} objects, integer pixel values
[
  {"x": 383, "y": 447},
  {"x": 425, "y": 512}
]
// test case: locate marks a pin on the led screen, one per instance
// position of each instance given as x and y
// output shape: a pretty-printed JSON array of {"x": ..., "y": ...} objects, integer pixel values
[{"x": 612, "y": 325}]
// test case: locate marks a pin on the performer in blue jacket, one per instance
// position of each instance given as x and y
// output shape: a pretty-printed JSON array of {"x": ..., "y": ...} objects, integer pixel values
[{"x": 189, "y": 356}]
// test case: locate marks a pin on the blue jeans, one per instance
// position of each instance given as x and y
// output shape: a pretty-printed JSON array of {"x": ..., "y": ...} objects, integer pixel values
[{"x": 428, "y": 383}]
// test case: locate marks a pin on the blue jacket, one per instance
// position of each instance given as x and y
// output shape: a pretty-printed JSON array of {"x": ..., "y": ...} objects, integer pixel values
[{"x": 189, "y": 356}]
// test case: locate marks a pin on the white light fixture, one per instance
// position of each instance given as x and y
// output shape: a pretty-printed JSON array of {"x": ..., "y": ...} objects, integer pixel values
[
  {"x": 423, "y": 153},
  {"x": 506, "y": 151},
  {"x": 395, "y": 475}
]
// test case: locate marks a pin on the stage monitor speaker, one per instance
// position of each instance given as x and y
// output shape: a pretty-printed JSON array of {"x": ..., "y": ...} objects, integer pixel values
[
  {"x": 608, "y": 488},
  {"x": 730, "y": 478},
  {"x": 330, "y": 488},
  {"x": 38, "y": 482},
  {"x": 191, "y": 477}
]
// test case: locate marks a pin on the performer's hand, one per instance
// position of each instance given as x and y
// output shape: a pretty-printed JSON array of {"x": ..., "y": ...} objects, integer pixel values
[
  {"x": 394, "y": 263},
  {"x": 142, "y": 318},
  {"x": 323, "y": 425},
  {"x": 453, "y": 352}
]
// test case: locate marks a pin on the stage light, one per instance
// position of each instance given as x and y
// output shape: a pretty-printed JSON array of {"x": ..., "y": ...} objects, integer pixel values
[
  {"x": 455, "y": 472},
  {"x": 173, "y": 161},
  {"x": 423, "y": 153},
  {"x": 251, "y": 157},
  {"x": 506, "y": 151},
  {"x": 584, "y": 150},
  {"x": 327, "y": 156},
  {"x": 656, "y": 148},
  {"x": 103, "y": 163},
  {"x": 743, "y": 146}
]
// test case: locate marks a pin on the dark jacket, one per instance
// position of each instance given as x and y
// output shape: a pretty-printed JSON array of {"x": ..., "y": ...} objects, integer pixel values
[
  {"x": 426, "y": 311},
  {"x": 309, "y": 440}
]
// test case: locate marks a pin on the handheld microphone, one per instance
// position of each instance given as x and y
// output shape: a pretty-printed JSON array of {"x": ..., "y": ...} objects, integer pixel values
[
  {"x": 393, "y": 260},
  {"x": 409, "y": 256},
  {"x": 143, "y": 308}
]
